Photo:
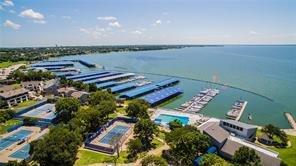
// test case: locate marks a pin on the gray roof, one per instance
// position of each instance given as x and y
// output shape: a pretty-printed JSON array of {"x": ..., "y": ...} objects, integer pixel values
[
  {"x": 215, "y": 131},
  {"x": 13, "y": 93},
  {"x": 240, "y": 124},
  {"x": 231, "y": 146}
]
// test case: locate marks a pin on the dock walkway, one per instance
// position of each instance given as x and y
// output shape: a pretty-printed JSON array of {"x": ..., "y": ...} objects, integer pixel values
[
  {"x": 241, "y": 112},
  {"x": 291, "y": 120}
]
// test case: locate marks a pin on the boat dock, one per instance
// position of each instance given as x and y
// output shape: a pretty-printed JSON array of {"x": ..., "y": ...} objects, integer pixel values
[
  {"x": 199, "y": 101},
  {"x": 237, "y": 110},
  {"x": 291, "y": 120}
]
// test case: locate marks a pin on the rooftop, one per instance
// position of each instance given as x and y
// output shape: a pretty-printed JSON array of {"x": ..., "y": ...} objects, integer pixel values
[
  {"x": 13, "y": 93},
  {"x": 240, "y": 124},
  {"x": 216, "y": 132}
]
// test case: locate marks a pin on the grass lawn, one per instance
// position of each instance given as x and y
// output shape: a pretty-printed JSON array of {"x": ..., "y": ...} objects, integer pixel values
[
  {"x": 24, "y": 105},
  {"x": 87, "y": 157},
  {"x": 288, "y": 155},
  {"x": 8, "y": 124},
  {"x": 120, "y": 110},
  {"x": 7, "y": 64}
]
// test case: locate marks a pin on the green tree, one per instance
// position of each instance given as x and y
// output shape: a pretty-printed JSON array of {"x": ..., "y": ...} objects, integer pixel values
[
  {"x": 134, "y": 147},
  {"x": 59, "y": 147},
  {"x": 15, "y": 163},
  {"x": 153, "y": 161},
  {"x": 145, "y": 130},
  {"x": 212, "y": 160},
  {"x": 66, "y": 108},
  {"x": 175, "y": 124},
  {"x": 29, "y": 121},
  {"x": 2, "y": 103},
  {"x": 106, "y": 108},
  {"x": 246, "y": 157},
  {"x": 137, "y": 108},
  {"x": 97, "y": 97},
  {"x": 185, "y": 143},
  {"x": 272, "y": 131},
  {"x": 92, "y": 88}
]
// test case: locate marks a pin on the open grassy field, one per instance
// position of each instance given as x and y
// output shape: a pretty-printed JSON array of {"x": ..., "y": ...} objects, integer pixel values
[
  {"x": 7, "y": 64},
  {"x": 8, "y": 124},
  {"x": 288, "y": 155},
  {"x": 24, "y": 105},
  {"x": 87, "y": 157}
]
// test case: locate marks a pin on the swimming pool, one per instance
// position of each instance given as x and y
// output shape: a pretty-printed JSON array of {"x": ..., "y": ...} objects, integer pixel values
[
  {"x": 116, "y": 132},
  {"x": 19, "y": 135},
  {"x": 166, "y": 118},
  {"x": 22, "y": 153}
]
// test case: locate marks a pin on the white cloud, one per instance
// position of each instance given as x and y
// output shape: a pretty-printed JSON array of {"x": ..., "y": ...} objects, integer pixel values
[
  {"x": 7, "y": 3},
  {"x": 107, "y": 18},
  {"x": 29, "y": 13},
  {"x": 12, "y": 25},
  {"x": 67, "y": 17},
  {"x": 115, "y": 24},
  {"x": 136, "y": 32},
  {"x": 157, "y": 22},
  {"x": 94, "y": 32},
  {"x": 39, "y": 21},
  {"x": 254, "y": 33}
]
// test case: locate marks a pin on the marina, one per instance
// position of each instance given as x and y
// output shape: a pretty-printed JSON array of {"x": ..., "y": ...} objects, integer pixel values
[
  {"x": 198, "y": 102},
  {"x": 237, "y": 110}
]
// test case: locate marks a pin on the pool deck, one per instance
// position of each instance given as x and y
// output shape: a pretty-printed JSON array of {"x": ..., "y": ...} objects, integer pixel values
[
  {"x": 96, "y": 141},
  {"x": 194, "y": 119},
  {"x": 5, "y": 154}
]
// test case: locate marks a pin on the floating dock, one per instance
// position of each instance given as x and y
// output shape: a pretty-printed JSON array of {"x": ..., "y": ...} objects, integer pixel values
[
  {"x": 149, "y": 88},
  {"x": 162, "y": 95},
  {"x": 291, "y": 120}
]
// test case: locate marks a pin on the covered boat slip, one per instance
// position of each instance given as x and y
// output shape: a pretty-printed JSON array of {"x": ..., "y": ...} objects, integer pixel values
[
  {"x": 111, "y": 78},
  {"x": 149, "y": 88},
  {"x": 90, "y": 78},
  {"x": 106, "y": 84},
  {"x": 52, "y": 64},
  {"x": 87, "y": 75},
  {"x": 162, "y": 95},
  {"x": 123, "y": 87}
]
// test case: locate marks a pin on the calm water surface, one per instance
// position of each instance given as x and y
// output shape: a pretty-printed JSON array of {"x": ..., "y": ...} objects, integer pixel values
[{"x": 267, "y": 70}]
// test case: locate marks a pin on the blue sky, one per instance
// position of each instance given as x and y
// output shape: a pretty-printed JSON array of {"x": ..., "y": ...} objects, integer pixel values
[{"x": 111, "y": 22}]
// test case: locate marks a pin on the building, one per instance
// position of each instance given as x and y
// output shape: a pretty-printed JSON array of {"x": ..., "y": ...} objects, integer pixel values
[
  {"x": 246, "y": 131},
  {"x": 267, "y": 157},
  {"x": 66, "y": 91},
  {"x": 46, "y": 87},
  {"x": 264, "y": 139},
  {"x": 36, "y": 86},
  {"x": 13, "y": 97},
  {"x": 217, "y": 134},
  {"x": 81, "y": 96}
]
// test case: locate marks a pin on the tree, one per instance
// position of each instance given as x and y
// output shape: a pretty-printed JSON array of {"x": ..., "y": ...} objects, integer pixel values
[
  {"x": 97, "y": 97},
  {"x": 145, "y": 130},
  {"x": 153, "y": 161},
  {"x": 106, "y": 108},
  {"x": 272, "y": 131},
  {"x": 2, "y": 103},
  {"x": 134, "y": 147},
  {"x": 59, "y": 147},
  {"x": 185, "y": 143},
  {"x": 29, "y": 121},
  {"x": 175, "y": 124},
  {"x": 212, "y": 160},
  {"x": 15, "y": 163},
  {"x": 92, "y": 88},
  {"x": 246, "y": 157},
  {"x": 66, "y": 108},
  {"x": 137, "y": 108}
]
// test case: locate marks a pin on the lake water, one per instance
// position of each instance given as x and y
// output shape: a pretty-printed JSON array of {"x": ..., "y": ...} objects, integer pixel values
[{"x": 266, "y": 70}]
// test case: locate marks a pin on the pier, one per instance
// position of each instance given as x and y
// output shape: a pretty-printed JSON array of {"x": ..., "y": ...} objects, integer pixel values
[
  {"x": 291, "y": 120},
  {"x": 242, "y": 110},
  {"x": 206, "y": 81}
]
